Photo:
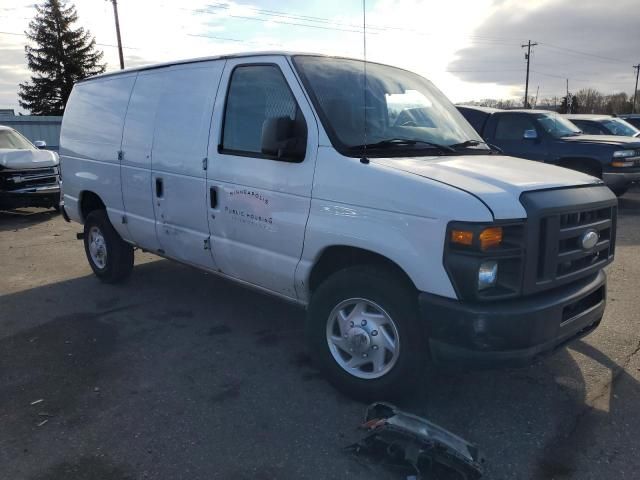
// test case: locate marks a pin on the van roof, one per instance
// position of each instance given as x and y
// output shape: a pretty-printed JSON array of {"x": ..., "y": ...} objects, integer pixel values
[{"x": 282, "y": 53}]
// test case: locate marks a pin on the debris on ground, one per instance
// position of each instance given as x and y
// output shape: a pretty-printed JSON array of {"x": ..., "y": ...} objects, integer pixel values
[
  {"x": 42, "y": 422},
  {"x": 413, "y": 443},
  {"x": 35, "y": 402}
]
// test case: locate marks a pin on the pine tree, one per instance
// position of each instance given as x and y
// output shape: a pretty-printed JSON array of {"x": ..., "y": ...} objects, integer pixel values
[{"x": 62, "y": 56}]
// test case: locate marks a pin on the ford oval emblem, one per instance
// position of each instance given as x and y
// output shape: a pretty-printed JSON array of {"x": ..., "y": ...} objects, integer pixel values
[{"x": 589, "y": 239}]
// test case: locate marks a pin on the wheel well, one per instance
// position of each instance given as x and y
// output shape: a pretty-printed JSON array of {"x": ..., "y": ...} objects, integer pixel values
[
  {"x": 584, "y": 165},
  {"x": 89, "y": 202},
  {"x": 337, "y": 258}
]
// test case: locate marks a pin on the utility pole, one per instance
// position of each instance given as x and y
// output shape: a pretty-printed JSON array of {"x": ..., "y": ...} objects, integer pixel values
[
  {"x": 115, "y": 14},
  {"x": 635, "y": 92},
  {"x": 527, "y": 56}
]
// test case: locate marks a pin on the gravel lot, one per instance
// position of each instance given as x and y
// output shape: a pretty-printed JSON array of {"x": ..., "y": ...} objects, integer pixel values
[{"x": 180, "y": 375}]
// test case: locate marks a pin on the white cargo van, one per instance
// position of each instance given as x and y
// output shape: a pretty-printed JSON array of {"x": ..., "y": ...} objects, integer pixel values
[{"x": 373, "y": 203}]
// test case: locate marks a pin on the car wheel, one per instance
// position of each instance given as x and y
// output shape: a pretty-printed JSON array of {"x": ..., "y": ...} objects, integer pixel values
[
  {"x": 364, "y": 333},
  {"x": 619, "y": 191},
  {"x": 110, "y": 257}
]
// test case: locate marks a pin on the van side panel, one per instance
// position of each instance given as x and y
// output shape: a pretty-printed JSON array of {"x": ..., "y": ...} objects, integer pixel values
[
  {"x": 180, "y": 143},
  {"x": 409, "y": 230},
  {"x": 137, "y": 141},
  {"x": 89, "y": 143}
]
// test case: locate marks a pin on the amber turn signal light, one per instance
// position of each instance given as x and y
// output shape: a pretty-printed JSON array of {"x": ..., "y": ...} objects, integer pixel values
[
  {"x": 461, "y": 237},
  {"x": 490, "y": 237}
]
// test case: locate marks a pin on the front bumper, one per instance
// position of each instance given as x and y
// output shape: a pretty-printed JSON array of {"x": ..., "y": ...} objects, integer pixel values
[
  {"x": 41, "y": 196},
  {"x": 615, "y": 180},
  {"x": 514, "y": 332}
]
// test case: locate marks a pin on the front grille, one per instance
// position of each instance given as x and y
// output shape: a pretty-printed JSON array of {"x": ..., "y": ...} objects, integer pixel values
[
  {"x": 562, "y": 252},
  {"x": 16, "y": 180},
  {"x": 558, "y": 221}
]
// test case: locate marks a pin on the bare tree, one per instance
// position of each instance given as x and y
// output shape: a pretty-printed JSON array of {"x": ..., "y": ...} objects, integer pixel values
[{"x": 590, "y": 100}]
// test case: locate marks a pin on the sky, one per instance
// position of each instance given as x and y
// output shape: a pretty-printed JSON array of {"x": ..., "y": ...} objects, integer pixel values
[{"x": 471, "y": 49}]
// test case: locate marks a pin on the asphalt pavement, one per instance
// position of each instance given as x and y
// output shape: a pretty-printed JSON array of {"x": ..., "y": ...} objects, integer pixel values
[{"x": 177, "y": 374}]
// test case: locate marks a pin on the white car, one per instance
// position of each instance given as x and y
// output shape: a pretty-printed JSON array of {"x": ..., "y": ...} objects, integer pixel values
[
  {"x": 28, "y": 176},
  {"x": 374, "y": 204}
]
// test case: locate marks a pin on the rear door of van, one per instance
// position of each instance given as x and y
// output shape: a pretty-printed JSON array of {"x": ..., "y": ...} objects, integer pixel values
[
  {"x": 258, "y": 205},
  {"x": 90, "y": 143},
  {"x": 179, "y": 151}
]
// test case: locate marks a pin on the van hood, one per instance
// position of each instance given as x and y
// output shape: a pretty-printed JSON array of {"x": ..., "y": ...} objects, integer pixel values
[
  {"x": 496, "y": 180},
  {"x": 26, "y": 159},
  {"x": 615, "y": 140}
]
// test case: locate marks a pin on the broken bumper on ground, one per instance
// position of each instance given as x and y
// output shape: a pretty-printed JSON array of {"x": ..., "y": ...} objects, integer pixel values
[{"x": 515, "y": 332}]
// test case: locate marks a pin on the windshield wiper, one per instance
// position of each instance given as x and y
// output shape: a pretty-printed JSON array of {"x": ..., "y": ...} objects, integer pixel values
[
  {"x": 404, "y": 142},
  {"x": 475, "y": 143}
]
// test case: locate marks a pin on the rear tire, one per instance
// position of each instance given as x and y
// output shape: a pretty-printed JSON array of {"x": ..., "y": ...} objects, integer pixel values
[
  {"x": 110, "y": 257},
  {"x": 364, "y": 334}
]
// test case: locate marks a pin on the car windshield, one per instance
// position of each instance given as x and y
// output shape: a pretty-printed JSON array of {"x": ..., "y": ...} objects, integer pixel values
[
  {"x": 620, "y": 127},
  {"x": 404, "y": 112},
  {"x": 10, "y": 139},
  {"x": 557, "y": 126}
]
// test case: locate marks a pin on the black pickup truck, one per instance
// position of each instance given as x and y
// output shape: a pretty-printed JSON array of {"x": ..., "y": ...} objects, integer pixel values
[{"x": 548, "y": 137}]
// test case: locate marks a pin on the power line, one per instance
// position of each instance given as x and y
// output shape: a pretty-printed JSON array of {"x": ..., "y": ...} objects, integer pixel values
[
  {"x": 101, "y": 44},
  {"x": 578, "y": 52}
]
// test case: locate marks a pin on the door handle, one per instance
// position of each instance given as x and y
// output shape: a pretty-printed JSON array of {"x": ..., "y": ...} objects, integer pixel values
[
  {"x": 213, "y": 197},
  {"x": 159, "y": 188}
]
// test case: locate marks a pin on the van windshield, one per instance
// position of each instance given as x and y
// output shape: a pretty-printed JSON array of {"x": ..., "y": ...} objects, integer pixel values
[
  {"x": 405, "y": 113},
  {"x": 14, "y": 141}
]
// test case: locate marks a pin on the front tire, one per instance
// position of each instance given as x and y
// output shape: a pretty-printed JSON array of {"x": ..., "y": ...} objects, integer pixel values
[
  {"x": 619, "y": 191},
  {"x": 364, "y": 333},
  {"x": 110, "y": 257}
]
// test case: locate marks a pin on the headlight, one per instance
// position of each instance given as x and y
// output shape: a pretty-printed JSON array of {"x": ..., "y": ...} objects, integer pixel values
[
  {"x": 486, "y": 239},
  {"x": 487, "y": 274},
  {"x": 475, "y": 253},
  {"x": 624, "y": 154}
]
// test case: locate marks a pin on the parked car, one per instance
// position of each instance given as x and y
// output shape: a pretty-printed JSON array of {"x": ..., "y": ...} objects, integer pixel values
[
  {"x": 29, "y": 176},
  {"x": 603, "y": 125},
  {"x": 548, "y": 137},
  {"x": 407, "y": 241},
  {"x": 632, "y": 118}
]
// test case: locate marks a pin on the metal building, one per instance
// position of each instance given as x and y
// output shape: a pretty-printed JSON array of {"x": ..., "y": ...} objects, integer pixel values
[{"x": 34, "y": 127}]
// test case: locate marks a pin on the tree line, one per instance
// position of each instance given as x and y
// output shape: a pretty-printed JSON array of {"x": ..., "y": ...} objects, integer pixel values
[{"x": 587, "y": 100}]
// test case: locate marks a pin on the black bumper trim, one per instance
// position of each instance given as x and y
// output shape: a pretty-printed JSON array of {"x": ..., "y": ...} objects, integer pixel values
[
  {"x": 41, "y": 197},
  {"x": 514, "y": 332}
]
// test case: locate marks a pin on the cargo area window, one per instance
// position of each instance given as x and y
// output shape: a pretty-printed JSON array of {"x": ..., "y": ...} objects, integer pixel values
[{"x": 256, "y": 94}]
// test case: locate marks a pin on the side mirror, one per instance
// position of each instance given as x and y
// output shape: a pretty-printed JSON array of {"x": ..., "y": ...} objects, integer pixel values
[
  {"x": 530, "y": 134},
  {"x": 284, "y": 138},
  {"x": 40, "y": 144}
]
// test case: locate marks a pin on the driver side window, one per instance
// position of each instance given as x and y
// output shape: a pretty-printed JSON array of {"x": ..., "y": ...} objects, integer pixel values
[
  {"x": 256, "y": 93},
  {"x": 512, "y": 127}
]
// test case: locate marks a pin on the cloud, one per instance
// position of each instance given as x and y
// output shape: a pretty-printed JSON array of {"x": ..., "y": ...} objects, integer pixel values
[
  {"x": 591, "y": 42},
  {"x": 468, "y": 48}
]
